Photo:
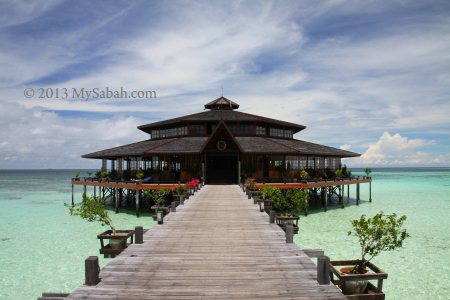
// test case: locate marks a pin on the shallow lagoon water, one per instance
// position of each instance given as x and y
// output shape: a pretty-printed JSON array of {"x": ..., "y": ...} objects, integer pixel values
[
  {"x": 419, "y": 270},
  {"x": 43, "y": 248}
]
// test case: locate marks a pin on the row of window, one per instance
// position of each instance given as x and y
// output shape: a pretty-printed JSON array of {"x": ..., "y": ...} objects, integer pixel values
[
  {"x": 163, "y": 133},
  {"x": 291, "y": 162},
  {"x": 303, "y": 162},
  {"x": 284, "y": 133},
  {"x": 200, "y": 129}
]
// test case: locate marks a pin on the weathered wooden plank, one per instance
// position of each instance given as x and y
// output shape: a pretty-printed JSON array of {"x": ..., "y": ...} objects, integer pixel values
[{"x": 218, "y": 245}]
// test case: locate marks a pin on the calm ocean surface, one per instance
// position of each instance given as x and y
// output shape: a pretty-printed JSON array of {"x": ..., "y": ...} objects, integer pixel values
[{"x": 43, "y": 248}]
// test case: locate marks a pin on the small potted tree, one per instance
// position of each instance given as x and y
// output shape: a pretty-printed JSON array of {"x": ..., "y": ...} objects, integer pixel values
[
  {"x": 94, "y": 209},
  {"x": 139, "y": 177},
  {"x": 77, "y": 176},
  {"x": 303, "y": 176},
  {"x": 375, "y": 235},
  {"x": 368, "y": 171},
  {"x": 338, "y": 174},
  {"x": 159, "y": 198},
  {"x": 287, "y": 204},
  {"x": 180, "y": 193}
]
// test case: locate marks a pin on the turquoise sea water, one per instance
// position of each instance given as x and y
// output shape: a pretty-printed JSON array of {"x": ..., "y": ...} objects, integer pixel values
[
  {"x": 419, "y": 270},
  {"x": 43, "y": 248}
]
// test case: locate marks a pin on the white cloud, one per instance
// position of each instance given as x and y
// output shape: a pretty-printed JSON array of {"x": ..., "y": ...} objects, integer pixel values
[
  {"x": 33, "y": 138},
  {"x": 392, "y": 150}
]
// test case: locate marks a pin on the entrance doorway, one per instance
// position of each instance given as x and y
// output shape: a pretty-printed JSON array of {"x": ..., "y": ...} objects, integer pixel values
[{"x": 222, "y": 169}]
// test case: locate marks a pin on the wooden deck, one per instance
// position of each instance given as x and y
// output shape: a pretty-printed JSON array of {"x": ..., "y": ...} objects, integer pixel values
[{"x": 217, "y": 246}]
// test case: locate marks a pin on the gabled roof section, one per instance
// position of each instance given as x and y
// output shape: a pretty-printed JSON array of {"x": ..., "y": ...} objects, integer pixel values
[
  {"x": 222, "y": 103},
  {"x": 221, "y": 132}
]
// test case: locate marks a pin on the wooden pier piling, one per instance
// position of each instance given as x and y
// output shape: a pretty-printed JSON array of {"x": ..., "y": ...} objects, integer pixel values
[
  {"x": 91, "y": 271},
  {"x": 138, "y": 234},
  {"x": 357, "y": 194},
  {"x": 323, "y": 270}
]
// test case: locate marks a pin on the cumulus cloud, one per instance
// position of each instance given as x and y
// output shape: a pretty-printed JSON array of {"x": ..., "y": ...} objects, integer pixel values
[{"x": 397, "y": 150}]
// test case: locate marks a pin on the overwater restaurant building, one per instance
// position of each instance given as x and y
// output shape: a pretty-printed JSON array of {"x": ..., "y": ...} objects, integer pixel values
[{"x": 222, "y": 145}]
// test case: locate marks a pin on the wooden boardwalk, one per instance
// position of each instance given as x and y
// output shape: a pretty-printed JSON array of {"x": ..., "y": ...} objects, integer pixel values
[{"x": 217, "y": 246}]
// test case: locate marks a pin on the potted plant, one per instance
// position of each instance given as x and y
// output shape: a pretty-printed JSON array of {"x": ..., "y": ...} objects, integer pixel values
[
  {"x": 268, "y": 193},
  {"x": 375, "y": 235},
  {"x": 139, "y": 176},
  {"x": 159, "y": 198},
  {"x": 368, "y": 171},
  {"x": 303, "y": 175},
  {"x": 287, "y": 203},
  {"x": 93, "y": 209},
  {"x": 89, "y": 173},
  {"x": 77, "y": 176},
  {"x": 181, "y": 193},
  {"x": 338, "y": 173}
]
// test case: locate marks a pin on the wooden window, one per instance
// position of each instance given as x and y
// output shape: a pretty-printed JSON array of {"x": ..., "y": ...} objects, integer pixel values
[
  {"x": 246, "y": 129},
  {"x": 260, "y": 130},
  {"x": 198, "y": 129}
]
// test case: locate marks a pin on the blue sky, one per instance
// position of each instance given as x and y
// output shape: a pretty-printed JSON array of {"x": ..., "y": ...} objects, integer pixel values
[{"x": 367, "y": 76}]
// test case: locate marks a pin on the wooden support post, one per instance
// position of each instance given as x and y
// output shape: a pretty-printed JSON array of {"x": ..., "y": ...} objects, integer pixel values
[
  {"x": 84, "y": 190},
  {"x": 348, "y": 192},
  {"x": 138, "y": 200},
  {"x": 139, "y": 234},
  {"x": 323, "y": 270},
  {"x": 116, "y": 198},
  {"x": 370, "y": 190},
  {"x": 325, "y": 200},
  {"x": 95, "y": 191},
  {"x": 342, "y": 196},
  {"x": 289, "y": 233},
  {"x": 173, "y": 207},
  {"x": 160, "y": 217},
  {"x": 72, "y": 196},
  {"x": 357, "y": 194},
  {"x": 92, "y": 270},
  {"x": 272, "y": 217}
]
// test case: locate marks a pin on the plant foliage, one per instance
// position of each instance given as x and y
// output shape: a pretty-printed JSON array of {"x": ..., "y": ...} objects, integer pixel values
[
  {"x": 92, "y": 209},
  {"x": 377, "y": 234},
  {"x": 368, "y": 171}
]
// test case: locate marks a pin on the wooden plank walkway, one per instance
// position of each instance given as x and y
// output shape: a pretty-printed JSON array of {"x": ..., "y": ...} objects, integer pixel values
[{"x": 217, "y": 246}]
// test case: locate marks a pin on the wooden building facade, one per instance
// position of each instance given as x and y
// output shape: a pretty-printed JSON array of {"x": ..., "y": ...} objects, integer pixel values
[{"x": 221, "y": 145}]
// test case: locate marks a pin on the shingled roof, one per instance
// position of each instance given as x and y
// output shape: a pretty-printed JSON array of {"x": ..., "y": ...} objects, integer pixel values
[
  {"x": 218, "y": 115},
  {"x": 222, "y": 103},
  {"x": 194, "y": 145}
]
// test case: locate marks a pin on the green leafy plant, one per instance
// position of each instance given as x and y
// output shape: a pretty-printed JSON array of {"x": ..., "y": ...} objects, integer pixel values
[
  {"x": 338, "y": 173},
  {"x": 158, "y": 196},
  {"x": 77, "y": 174},
  {"x": 92, "y": 209},
  {"x": 98, "y": 174},
  {"x": 89, "y": 174},
  {"x": 140, "y": 176},
  {"x": 298, "y": 200},
  {"x": 377, "y": 234},
  {"x": 112, "y": 174},
  {"x": 303, "y": 175},
  {"x": 103, "y": 174},
  {"x": 368, "y": 171},
  {"x": 269, "y": 192}
]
